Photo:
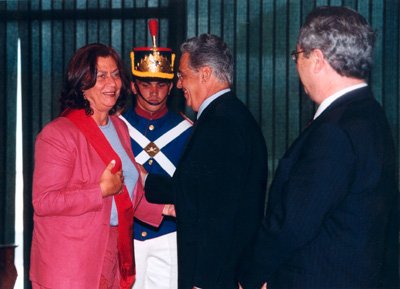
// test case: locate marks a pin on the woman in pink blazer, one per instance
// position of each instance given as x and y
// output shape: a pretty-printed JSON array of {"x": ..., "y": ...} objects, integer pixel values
[{"x": 86, "y": 186}]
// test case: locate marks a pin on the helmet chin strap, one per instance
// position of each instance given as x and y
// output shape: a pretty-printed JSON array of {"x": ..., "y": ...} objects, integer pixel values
[{"x": 149, "y": 102}]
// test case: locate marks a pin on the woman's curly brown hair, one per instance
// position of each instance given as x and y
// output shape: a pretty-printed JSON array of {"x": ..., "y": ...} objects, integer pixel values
[{"x": 81, "y": 75}]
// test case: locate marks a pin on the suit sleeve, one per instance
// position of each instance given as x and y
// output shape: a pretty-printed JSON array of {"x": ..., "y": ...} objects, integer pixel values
[
  {"x": 159, "y": 189},
  {"x": 306, "y": 188},
  {"x": 145, "y": 211},
  {"x": 55, "y": 161}
]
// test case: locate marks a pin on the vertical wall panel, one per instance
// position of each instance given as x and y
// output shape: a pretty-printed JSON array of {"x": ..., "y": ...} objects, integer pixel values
[
  {"x": 390, "y": 35},
  {"x": 8, "y": 90},
  {"x": 35, "y": 5},
  {"x": 267, "y": 76},
  {"x": 3, "y": 126},
  {"x": 215, "y": 18},
  {"x": 191, "y": 18},
  {"x": 203, "y": 16},
  {"x": 32, "y": 122},
  {"x": 35, "y": 74},
  {"x": 104, "y": 25},
  {"x": 93, "y": 36},
  {"x": 228, "y": 22},
  {"x": 163, "y": 33},
  {"x": 72, "y": 37},
  {"x": 350, "y": 3},
  {"x": 81, "y": 25},
  {"x": 281, "y": 58},
  {"x": 253, "y": 96},
  {"x": 57, "y": 64},
  {"x": 116, "y": 29},
  {"x": 377, "y": 21},
  {"x": 335, "y": 3},
  {"x": 294, "y": 101},
  {"x": 104, "y": 32},
  {"x": 128, "y": 42},
  {"x": 395, "y": 52},
  {"x": 141, "y": 38},
  {"x": 46, "y": 75},
  {"x": 391, "y": 93},
  {"x": 116, "y": 35},
  {"x": 307, "y": 107},
  {"x": 363, "y": 8},
  {"x": 240, "y": 48},
  {"x": 320, "y": 2}
]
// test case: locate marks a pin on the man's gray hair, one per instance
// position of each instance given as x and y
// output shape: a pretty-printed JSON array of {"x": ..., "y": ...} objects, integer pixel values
[
  {"x": 343, "y": 36},
  {"x": 210, "y": 50}
]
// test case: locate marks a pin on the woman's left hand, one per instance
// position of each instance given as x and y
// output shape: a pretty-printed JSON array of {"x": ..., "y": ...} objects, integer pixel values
[{"x": 110, "y": 183}]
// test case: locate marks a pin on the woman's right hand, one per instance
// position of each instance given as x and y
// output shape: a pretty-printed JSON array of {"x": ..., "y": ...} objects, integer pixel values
[{"x": 111, "y": 184}]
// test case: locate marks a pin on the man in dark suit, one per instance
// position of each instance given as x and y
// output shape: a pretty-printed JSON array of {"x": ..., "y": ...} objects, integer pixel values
[
  {"x": 219, "y": 185},
  {"x": 331, "y": 215}
]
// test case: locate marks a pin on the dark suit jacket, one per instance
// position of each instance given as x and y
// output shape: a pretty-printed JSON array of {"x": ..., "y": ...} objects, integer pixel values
[
  {"x": 219, "y": 191},
  {"x": 331, "y": 215}
]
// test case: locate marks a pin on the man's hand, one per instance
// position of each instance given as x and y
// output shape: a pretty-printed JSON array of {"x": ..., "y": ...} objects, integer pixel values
[{"x": 169, "y": 210}]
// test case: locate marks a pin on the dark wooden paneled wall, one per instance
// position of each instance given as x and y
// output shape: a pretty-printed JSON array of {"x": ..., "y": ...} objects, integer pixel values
[{"x": 261, "y": 34}]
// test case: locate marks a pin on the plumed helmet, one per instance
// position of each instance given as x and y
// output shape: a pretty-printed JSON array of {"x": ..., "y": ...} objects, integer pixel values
[{"x": 153, "y": 62}]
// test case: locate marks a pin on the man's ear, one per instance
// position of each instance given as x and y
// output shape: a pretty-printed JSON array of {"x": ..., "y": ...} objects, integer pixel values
[
  {"x": 133, "y": 87},
  {"x": 319, "y": 60},
  {"x": 171, "y": 85},
  {"x": 206, "y": 72}
]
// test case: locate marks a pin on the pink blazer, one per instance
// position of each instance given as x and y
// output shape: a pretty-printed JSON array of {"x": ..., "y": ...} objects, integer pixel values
[{"x": 71, "y": 219}]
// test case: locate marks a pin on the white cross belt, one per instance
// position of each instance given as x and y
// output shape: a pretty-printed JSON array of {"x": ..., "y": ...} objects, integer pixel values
[{"x": 161, "y": 142}]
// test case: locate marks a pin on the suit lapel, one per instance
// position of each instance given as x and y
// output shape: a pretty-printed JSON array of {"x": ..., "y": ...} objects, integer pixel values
[
  {"x": 207, "y": 113},
  {"x": 209, "y": 110},
  {"x": 347, "y": 99}
]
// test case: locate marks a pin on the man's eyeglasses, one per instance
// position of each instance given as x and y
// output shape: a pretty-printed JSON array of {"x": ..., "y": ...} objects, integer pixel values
[{"x": 295, "y": 55}]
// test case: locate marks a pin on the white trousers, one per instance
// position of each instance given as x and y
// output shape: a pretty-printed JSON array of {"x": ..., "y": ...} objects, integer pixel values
[{"x": 156, "y": 263}]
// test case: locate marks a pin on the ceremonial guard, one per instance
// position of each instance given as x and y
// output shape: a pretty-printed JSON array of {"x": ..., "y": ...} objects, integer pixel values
[{"x": 158, "y": 137}]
